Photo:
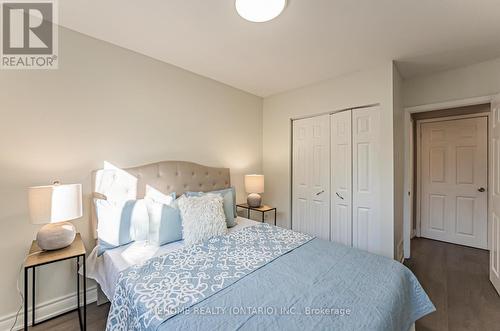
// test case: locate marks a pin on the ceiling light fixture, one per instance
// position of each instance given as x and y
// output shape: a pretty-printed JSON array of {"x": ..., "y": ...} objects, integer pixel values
[{"x": 259, "y": 10}]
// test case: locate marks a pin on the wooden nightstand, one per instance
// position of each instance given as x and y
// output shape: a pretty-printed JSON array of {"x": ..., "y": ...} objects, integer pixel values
[
  {"x": 262, "y": 209},
  {"x": 74, "y": 251}
]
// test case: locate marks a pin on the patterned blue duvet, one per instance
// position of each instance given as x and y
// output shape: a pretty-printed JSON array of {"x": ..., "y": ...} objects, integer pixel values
[{"x": 267, "y": 278}]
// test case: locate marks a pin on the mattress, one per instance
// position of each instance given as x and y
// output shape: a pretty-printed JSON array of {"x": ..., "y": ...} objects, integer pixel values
[{"x": 106, "y": 269}]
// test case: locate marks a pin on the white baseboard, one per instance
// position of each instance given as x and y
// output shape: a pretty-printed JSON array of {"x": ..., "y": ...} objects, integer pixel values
[{"x": 47, "y": 309}]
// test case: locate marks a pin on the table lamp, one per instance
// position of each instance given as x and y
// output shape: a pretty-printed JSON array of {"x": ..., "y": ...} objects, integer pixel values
[
  {"x": 254, "y": 184},
  {"x": 54, "y": 205}
]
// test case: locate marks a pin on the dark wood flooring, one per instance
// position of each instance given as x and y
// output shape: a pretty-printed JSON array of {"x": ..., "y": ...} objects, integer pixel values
[
  {"x": 96, "y": 320},
  {"x": 454, "y": 277}
]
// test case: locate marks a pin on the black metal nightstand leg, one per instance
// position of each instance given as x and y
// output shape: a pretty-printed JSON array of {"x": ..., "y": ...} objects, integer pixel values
[
  {"x": 78, "y": 293},
  {"x": 84, "y": 295},
  {"x": 274, "y": 217},
  {"x": 263, "y": 218},
  {"x": 33, "y": 298},
  {"x": 25, "y": 299}
]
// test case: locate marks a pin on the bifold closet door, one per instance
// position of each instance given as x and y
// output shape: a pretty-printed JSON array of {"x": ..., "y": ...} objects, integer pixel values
[
  {"x": 366, "y": 179},
  {"x": 341, "y": 176},
  {"x": 311, "y": 176}
]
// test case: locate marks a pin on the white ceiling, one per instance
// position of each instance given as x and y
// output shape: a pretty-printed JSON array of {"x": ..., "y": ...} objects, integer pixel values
[{"x": 311, "y": 41}]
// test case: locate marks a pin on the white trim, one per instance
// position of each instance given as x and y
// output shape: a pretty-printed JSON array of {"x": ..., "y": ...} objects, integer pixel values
[
  {"x": 408, "y": 206},
  {"x": 408, "y": 217},
  {"x": 47, "y": 309},
  {"x": 450, "y": 104},
  {"x": 452, "y": 118},
  {"x": 418, "y": 185},
  {"x": 331, "y": 112}
]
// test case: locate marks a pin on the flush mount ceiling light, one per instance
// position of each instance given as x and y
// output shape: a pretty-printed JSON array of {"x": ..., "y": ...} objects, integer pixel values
[{"x": 259, "y": 10}]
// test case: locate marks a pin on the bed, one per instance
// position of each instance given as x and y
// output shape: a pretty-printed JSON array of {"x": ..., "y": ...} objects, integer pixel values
[
  {"x": 255, "y": 277},
  {"x": 105, "y": 270}
]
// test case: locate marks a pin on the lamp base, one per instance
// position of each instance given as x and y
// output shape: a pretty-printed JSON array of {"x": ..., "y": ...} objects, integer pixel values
[
  {"x": 56, "y": 236},
  {"x": 254, "y": 200}
]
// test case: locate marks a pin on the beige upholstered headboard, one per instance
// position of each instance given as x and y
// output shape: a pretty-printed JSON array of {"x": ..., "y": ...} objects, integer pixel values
[{"x": 165, "y": 176}]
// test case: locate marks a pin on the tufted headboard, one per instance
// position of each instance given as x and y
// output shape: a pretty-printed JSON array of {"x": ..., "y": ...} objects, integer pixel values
[{"x": 165, "y": 176}]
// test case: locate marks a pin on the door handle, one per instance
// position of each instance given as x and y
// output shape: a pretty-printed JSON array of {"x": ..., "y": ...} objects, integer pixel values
[
  {"x": 337, "y": 193},
  {"x": 320, "y": 192},
  {"x": 481, "y": 189}
]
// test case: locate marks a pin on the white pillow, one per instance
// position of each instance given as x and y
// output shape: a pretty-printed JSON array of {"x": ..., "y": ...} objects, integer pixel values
[
  {"x": 121, "y": 222},
  {"x": 202, "y": 217},
  {"x": 157, "y": 196}
]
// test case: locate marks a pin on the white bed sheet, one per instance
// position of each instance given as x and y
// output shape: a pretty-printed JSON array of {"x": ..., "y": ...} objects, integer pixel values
[{"x": 105, "y": 269}]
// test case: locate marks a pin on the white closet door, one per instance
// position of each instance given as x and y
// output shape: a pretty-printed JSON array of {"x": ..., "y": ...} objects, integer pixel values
[
  {"x": 311, "y": 176},
  {"x": 300, "y": 175},
  {"x": 366, "y": 178},
  {"x": 341, "y": 175}
]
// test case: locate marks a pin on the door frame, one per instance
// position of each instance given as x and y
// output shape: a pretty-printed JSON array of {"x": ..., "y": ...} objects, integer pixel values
[
  {"x": 418, "y": 184},
  {"x": 409, "y": 145}
]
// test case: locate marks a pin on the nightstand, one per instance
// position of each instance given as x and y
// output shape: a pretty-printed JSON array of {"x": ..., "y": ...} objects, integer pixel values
[
  {"x": 262, "y": 209},
  {"x": 74, "y": 251}
]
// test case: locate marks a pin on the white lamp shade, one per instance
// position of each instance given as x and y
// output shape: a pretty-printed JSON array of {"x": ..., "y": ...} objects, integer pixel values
[
  {"x": 55, "y": 203},
  {"x": 254, "y": 183}
]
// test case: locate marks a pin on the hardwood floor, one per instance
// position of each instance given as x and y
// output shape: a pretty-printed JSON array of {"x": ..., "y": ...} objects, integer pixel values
[
  {"x": 456, "y": 279},
  {"x": 96, "y": 320}
]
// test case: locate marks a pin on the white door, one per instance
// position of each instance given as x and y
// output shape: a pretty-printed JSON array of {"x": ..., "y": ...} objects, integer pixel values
[
  {"x": 341, "y": 175},
  {"x": 495, "y": 195},
  {"x": 454, "y": 174},
  {"x": 311, "y": 176},
  {"x": 366, "y": 179}
]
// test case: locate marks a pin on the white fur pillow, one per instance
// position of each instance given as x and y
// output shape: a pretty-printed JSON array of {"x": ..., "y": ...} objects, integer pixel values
[{"x": 202, "y": 217}]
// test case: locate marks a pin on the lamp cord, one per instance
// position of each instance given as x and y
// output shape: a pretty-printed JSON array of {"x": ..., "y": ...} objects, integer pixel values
[{"x": 19, "y": 290}]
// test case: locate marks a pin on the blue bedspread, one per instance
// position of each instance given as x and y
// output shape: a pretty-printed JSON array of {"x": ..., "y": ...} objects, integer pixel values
[{"x": 267, "y": 278}]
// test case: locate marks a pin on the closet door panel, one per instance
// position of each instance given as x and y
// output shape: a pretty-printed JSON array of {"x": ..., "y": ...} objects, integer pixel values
[
  {"x": 341, "y": 176},
  {"x": 366, "y": 181},
  {"x": 320, "y": 176},
  {"x": 311, "y": 176},
  {"x": 300, "y": 178}
]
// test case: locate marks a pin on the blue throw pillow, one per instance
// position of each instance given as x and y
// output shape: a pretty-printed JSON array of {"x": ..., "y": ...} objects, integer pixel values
[
  {"x": 229, "y": 196},
  {"x": 165, "y": 223}
]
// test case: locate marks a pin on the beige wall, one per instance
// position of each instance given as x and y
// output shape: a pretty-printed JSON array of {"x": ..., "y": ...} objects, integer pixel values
[
  {"x": 107, "y": 103},
  {"x": 467, "y": 82},
  {"x": 357, "y": 89}
]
